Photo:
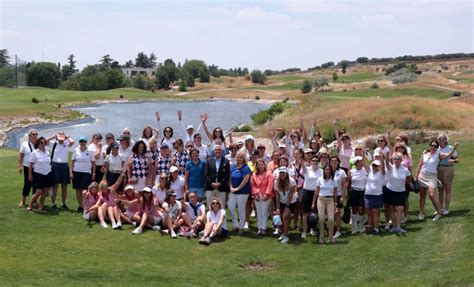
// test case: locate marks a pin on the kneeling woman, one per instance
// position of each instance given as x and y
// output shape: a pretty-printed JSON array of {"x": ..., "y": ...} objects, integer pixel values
[
  {"x": 216, "y": 222},
  {"x": 151, "y": 216},
  {"x": 285, "y": 194},
  {"x": 108, "y": 204},
  {"x": 90, "y": 200},
  {"x": 172, "y": 213}
]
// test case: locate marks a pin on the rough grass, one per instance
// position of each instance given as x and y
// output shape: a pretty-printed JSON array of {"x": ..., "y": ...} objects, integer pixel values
[
  {"x": 386, "y": 93},
  {"x": 58, "y": 249},
  {"x": 357, "y": 77}
]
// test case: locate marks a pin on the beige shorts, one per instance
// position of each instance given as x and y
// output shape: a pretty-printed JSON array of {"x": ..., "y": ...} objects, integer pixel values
[
  {"x": 428, "y": 179},
  {"x": 446, "y": 175}
]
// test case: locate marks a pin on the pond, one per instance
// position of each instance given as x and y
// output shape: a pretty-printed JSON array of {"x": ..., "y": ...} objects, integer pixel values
[{"x": 113, "y": 117}]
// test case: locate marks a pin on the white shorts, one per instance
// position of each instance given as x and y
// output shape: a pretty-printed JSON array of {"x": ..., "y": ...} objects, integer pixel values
[
  {"x": 86, "y": 216},
  {"x": 156, "y": 220},
  {"x": 141, "y": 183}
]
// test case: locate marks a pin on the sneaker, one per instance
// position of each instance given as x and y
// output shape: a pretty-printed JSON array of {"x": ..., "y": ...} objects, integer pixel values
[
  {"x": 387, "y": 226},
  {"x": 303, "y": 235},
  {"x": 354, "y": 231},
  {"x": 404, "y": 220},
  {"x": 444, "y": 212},
  {"x": 201, "y": 233},
  {"x": 119, "y": 225},
  {"x": 207, "y": 241},
  {"x": 312, "y": 232},
  {"x": 137, "y": 230},
  {"x": 375, "y": 232},
  {"x": 421, "y": 216},
  {"x": 246, "y": 225},
  {"x": 276, "y": 232},
  {"x": 64, "y": 206},
  {"x": 156, "y": 227},
  {"x": 134, "y": 224},
  {"x": 201, "y": 240},
  {"x": 54, "y": 207},
  {"x": 253, "y": 213},
  {"x": 29, "y": 208},
  {"x": 104, "y": 225},
  {"x": 114, "y": 226},
  {"x": 281, "y": 238},
  {"x": 173, "y": 235},
  {"x": 436, "y": 217},
  {"x": 285, "y": 239},
  {"x": 337, "y": 234}
]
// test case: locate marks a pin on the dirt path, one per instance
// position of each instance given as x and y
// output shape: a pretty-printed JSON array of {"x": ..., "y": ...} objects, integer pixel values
[{"x": 441, "y": 87}]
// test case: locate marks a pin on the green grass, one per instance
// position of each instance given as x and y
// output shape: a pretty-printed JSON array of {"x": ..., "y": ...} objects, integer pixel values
[
  {"x": 387, "y": 93},
  {"x": 286, "y": 78},
  {"x": 357, "y": 77},
  {"x": 62, "y": 249}
]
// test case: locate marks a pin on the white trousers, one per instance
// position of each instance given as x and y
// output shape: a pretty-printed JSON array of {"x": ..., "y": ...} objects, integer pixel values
[
  {"x": 238, "y": 201},
  {"x": 262, "y": 207}
]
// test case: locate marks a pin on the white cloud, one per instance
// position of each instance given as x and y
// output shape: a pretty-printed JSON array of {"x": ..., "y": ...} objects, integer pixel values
[
  {"x": 257, "y": 12},
  {"x": 378, "y": 17}
]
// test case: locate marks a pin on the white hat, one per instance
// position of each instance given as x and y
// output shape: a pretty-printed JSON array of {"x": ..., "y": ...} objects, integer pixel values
[
  {"x": 377, "y": 151},
  {"x": 173, "y": 169},
  {"x": 377, "y": 162},
  {"x": 249, "y": 138},
  {"x": 282, "y": 145},
  {"x": 190, "y": 127},
  {"x": 146, "y": 189},
  {"x": 282, "y": 169},
  {"x": 128, "y": 186},
  {"x": 240, "y": 141},
  {"x": 357, "y": 158}
]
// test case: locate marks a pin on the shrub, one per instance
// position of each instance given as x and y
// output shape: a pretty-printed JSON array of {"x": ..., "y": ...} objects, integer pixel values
[
  {"x": 320, "y": 83},
  {"x": 306, "y": 87},
  {"x": 335, "y": 77},
  {"x": 182, "y": 86},
  {"x": 243, "y": 128},
  {"x": 374, "y": 86},
  {"x": 35, "y": 100},
  {"x": 403, "y": 76},
  {"x": 258, "y": 77},
  {"x": 263, "y": 116},
  {"x": 257, "y": 97}
]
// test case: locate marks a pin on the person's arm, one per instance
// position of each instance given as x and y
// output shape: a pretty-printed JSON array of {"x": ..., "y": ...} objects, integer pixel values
[
  {"x": 242, "y": 183},
  {"x": 30, "y": 172},
  {"x": 334, "y": 193},
  {"x": 315, "y": 197},
  {"x": 51, "y": 138},
  {"x": 336, "y": 133},
  {"x": 98, "y": 150},
  {"x": 420, "y": 165},
  {"x": 231, "y": 140},
  {"x": 116, "y": 185},
  {"x": 290, "y": 196},
  {"x": 203, "y": 122},
  {"x": 385, "y": 162},
  {"x": 450, "y": 154},
  {"x": 93, "y": 170},
  {"x": 277, "y": 199},
  {"x": 129, "y": 170},
  {"x": 71, "y": 141},
  {"x": 349, "y": 183},
  {"x": 364, "y": 162},
  {"x": 312, "y": 131},
  {"x": 186, "y": 181},
  {"x": 219, "y": 224},
  {"x": 181, "y": 123},
  {"x": 255, "y": 190},
  {"x": 158, "y": 117},
  {"x": 273, "y": 136},
  {"x": 389, "y": 142},
  {"x": 20, "y": 162},
  {"x": 269, "y": 187},
  {"x": 304, "y": 138},
  {"x": 344, "y": 188},
  {"x": 71, "y": 171}
]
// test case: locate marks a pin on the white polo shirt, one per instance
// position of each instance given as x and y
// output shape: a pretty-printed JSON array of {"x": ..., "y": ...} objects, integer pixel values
[
  {"x": 326, "y": 187},
  {"x": 83, "y": 160},
  {"x": 60, "y": 151},
  {"x": 359, "y": 178},
  {"x": 93, "y": 148},
  {"x": 190, "y": 211},
  {"x": 430, "y": 162},
  {"x": 375, "y": 182},
  {"x": 284, "y": 194},
  {"x": 339, "y": 176},
  {"x": 202, "y": 152},
  {"x": 215, "y": 217},
  {"x": 398, "y": 177},
  {"x": 178, "y": 186},
  {"x": 41, "y": 161},
  {"x": 115, "y": 162},
  {"x": 125, "y": 153},
  {"x": 26, "y": 149},
  {"x": 311, "y": 178},
  {"x": 173, "y": 210}
]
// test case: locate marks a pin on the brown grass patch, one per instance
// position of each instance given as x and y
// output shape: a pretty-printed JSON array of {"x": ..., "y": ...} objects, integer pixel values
[{"x": 258, "y": 266}]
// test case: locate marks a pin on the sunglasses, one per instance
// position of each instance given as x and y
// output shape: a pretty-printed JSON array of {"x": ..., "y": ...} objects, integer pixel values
[
  {"x": 434, "y": 146},
  {"x": 175, "y": 146},
  {"x": 358, "y": 149},
  {"x": 380, "y": 141},
  {"x": 233, "y": 148},
  {"x": 33, "y": 134},
  {"x": 163, "y": 178},
  {"x": 215, "y": 203},
  {"x": 315, "y": 161},
  {"x": 189, "y": 146},
  {"x": 397, "y": 158}
]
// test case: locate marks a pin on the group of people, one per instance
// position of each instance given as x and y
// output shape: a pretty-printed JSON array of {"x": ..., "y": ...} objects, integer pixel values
[{"x": 180, "y": 186}]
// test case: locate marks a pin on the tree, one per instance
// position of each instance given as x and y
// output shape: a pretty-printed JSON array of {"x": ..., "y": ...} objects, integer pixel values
[
  {"x": 139, "y": 82},
  {"x": 344, "y": 64},
  {"x": 142, "y": 60},
  {"x": 4, "y": 57},
  {"x": 320, "y": 83},
  {"x": 43, "y": 74},
  {"x": 172, "y": 70},
  {"x": 362, "y": 60},
  {"x": 306, "y": 87},
  {"x": 68, "y": 69},
  {"x": 204, "y": 77},
  {"x": 197, "y": 69},
  {"x": 106, "y": 60},
  {"x": 162, "y": 79},
  {"x": 7, "y": 76},
  {"x": 245, "y": 71},
  {"x": 182, "y": 86},
  {"x": 335, "y": 77},
  {"x": 152, "y": 60},
  {"x": 327, "y": 65},
  {"x": 187, "y": 78},
  {"x": 128, "y": 64},
  {"x": 258, "y": 77},
  {"x": 214, "y": 71},
  {"x": 115, "y": 79}
]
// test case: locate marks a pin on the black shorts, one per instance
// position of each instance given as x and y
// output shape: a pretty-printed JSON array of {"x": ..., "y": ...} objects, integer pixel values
[
  {"x": 385, "y": 195},
  {"x": 99, "y": 175},
  {"x": 41, "y": 181},
  {"x": 339, "y": 204},
  {"x": 60, "y": 173},
  {"x": 292, "y": 207},
  {"x": 112, "y": 179},
  {"x": 356, "y": 198},
  {"x": 81, "y": 180},
  {"x": 397, "y": 198},
  {"x": 307, "y": 199}
]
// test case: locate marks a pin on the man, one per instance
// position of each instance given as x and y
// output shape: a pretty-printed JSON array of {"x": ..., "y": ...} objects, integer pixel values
[
  {"x": 217, "y": 172},
  {"x": 24, "y": 164},
  {"x": 59, "y": 145}
]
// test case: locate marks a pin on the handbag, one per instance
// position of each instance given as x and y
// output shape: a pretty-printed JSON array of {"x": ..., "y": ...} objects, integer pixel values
[{"x": 346, "y": 216}]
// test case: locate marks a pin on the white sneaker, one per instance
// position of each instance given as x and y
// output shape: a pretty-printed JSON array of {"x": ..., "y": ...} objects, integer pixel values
[
  {"x": 173, "y": 234},
  {"x": 281, "y": 238},
  {"x": 114, "y": 226},
  {"x": 337, "y": 234},
  {"x": 276, "y": 232},
  {"x": 253, "y": 213},
  {"x": 285, "y": 239},
  {"x": 312, "y": 232},
  {"x": 354, "y": 231},
  {"x": 246, "y": 225},
  {"x": 387, "y": 226},
  {"x": 137, "y": 230},
  {"x": 444, "y": 212},
  {"x": 404, "y": 220},
  {"x": 303, "y": 235},
  {"x": 104, "y": 225},
  {"x": 134, "y": 224},
  {"x": 436, "y": 217},
  {"x": 421, "y": 216},
  {"x": 156, "y": 227}
]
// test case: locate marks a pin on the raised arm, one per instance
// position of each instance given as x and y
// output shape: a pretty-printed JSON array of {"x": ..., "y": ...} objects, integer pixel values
[
  {"x": 229, "y": 133},
  {"x": 450, "y": 154},
  {"x": 305, "y": 134},
  {"x": 420, "y": 165},
  {"x": 71, "y": 140},
  {"x": 312, "y": 131},
  {"x": 336, "y": 133},
  {"x": 204, "y": 118},
  {"x": 158, "y": 117}
]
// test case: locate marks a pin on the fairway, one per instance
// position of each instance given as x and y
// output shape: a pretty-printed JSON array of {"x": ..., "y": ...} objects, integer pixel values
[{"x": 62, "y": 249}]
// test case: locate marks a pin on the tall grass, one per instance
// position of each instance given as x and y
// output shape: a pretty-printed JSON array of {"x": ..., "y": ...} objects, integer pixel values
[{"x": 266, "y": 115}]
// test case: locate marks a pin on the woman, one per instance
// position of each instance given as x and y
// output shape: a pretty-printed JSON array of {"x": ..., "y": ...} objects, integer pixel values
[
  {"x": 125, "y": 148},
  {"x": 446, "y": 174},
  {"x": 95, "y": 147},
  {"x": 161, "y": 189},
  {"x": 340, "y": 179},
  {"x": 150, "y": 214},
  {"x": 216, "y": 133},
  {"x": 262, "y": 194},
  {"x": 180, "y": 157},
  {"x": 177, "y": 183},
  {"x": 249, "y": 147},
  {"x": 232, "y": 155},
  {"x": 239, "y": 192},
  {"x": 171, "y": 214},
  {"x": 194, "y": 175},
  {"x": 344, "y": 148},
  {"x": 39, "y": 173},
  {"x": 427, "y": 176},
  {"x": 298, "y": 163},
  {"x": 203, "y": 155},
  {"x": 163, "y": 162},
  {"x": 91, "y": 198},
  {"x": 113, "y": 165},
  {"x": 399, "y": 177},
  {"x": 273, "y": 164},
  {"x": 131, "y": 200},
  {"x": 400, "y": 147},
  {"x": 292, "y": 143},
  {"x": 324, "y": 157},
  {"x": 139, "y": 166},
  {"x": 356, "y": 181},
  {"x": 286, "y": 197},
  {"x": 147, "y": 134},
  {"x": 154, "y": 152},
  {"x": 216, "y": 225},
  {"x": 167, "y": 134},
  {"x": 402, "y": 138},
  {"x": 311, "y": 175},
  {"x": 108, "y": 204},
  {"x": 373, "y": 195},
  {"x": 261, "y": 153},
  {"x": 326, "y": 198},
  {"x": 194, "y": 215},
  {"x": 26, "y": 149},
  {"x": 82, "y": 170}
]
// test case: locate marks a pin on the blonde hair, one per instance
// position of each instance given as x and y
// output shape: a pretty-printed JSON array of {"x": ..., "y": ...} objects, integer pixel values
[
  {"x": 152, "y": 140},
  {"x": 242, "y": 154},
  {"x": 103, "y": 185}
]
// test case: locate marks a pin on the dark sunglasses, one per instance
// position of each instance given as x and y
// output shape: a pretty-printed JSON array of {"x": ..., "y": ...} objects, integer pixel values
[
  {"x": 33, "y": 134},
  {"x": 215, "y": 203},
  {"x": 189, "y": 146},
  {"x": 381, "y": 141},
  {"x": 233, "y": 148},
  {"x": 433, "y": 145},
  {"x": 397, "y": 158}
]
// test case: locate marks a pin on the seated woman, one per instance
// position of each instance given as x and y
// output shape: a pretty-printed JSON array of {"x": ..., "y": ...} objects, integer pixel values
[
  {"x": 150, "y": 214},
  {"x": 193, "y": 215},
  {"x": 90, "y": 198},
  {"x": 108, "y": 208},
  {"x": 131, "y": 200},
  {"x": 216, "y": 225},
  {"x": 171, "y": 214}
]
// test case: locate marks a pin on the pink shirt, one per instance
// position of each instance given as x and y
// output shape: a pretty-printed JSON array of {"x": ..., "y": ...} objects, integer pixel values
[
  {"x": 90, "y": 200},
  {"x": 406, "y": 162},
  {"x": 153, "y": 210},
  {"x": 262, "y": 184},
  {"x": 109, "y": 198},
  {"x": 134, "y": 207}
]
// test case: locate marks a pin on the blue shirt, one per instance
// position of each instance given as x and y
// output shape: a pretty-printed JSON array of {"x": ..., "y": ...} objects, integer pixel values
[
  {"x": 196, "y": 173},
  {"x": 237, "y": 176}
]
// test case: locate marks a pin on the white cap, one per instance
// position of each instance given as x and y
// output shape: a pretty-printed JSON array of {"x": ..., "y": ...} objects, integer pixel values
[
  {"x": 357, "y": 158},
  {"x": 249, "y": 137},
  {"x": 240, "y": 141},
  {"x": 128, "y": 186},
  {"x": 173, "y": 169},
  {"x": 190, "y": 127},
  {"x": 146, "y": 189},
  {"x": 281, "y": 145},
  {"x": 377, "y": 151},
  {"x": 282, "y": 169},
  {"x": 377, "y": 162}
]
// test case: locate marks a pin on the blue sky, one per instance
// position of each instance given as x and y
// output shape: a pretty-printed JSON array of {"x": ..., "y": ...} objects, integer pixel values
[{"x": 253, "y": 34}]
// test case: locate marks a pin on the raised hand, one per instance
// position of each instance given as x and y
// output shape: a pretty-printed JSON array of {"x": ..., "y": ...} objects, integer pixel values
[
  {"x": 180, "y": 114},
  {"x": 158, "y": 116}
]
